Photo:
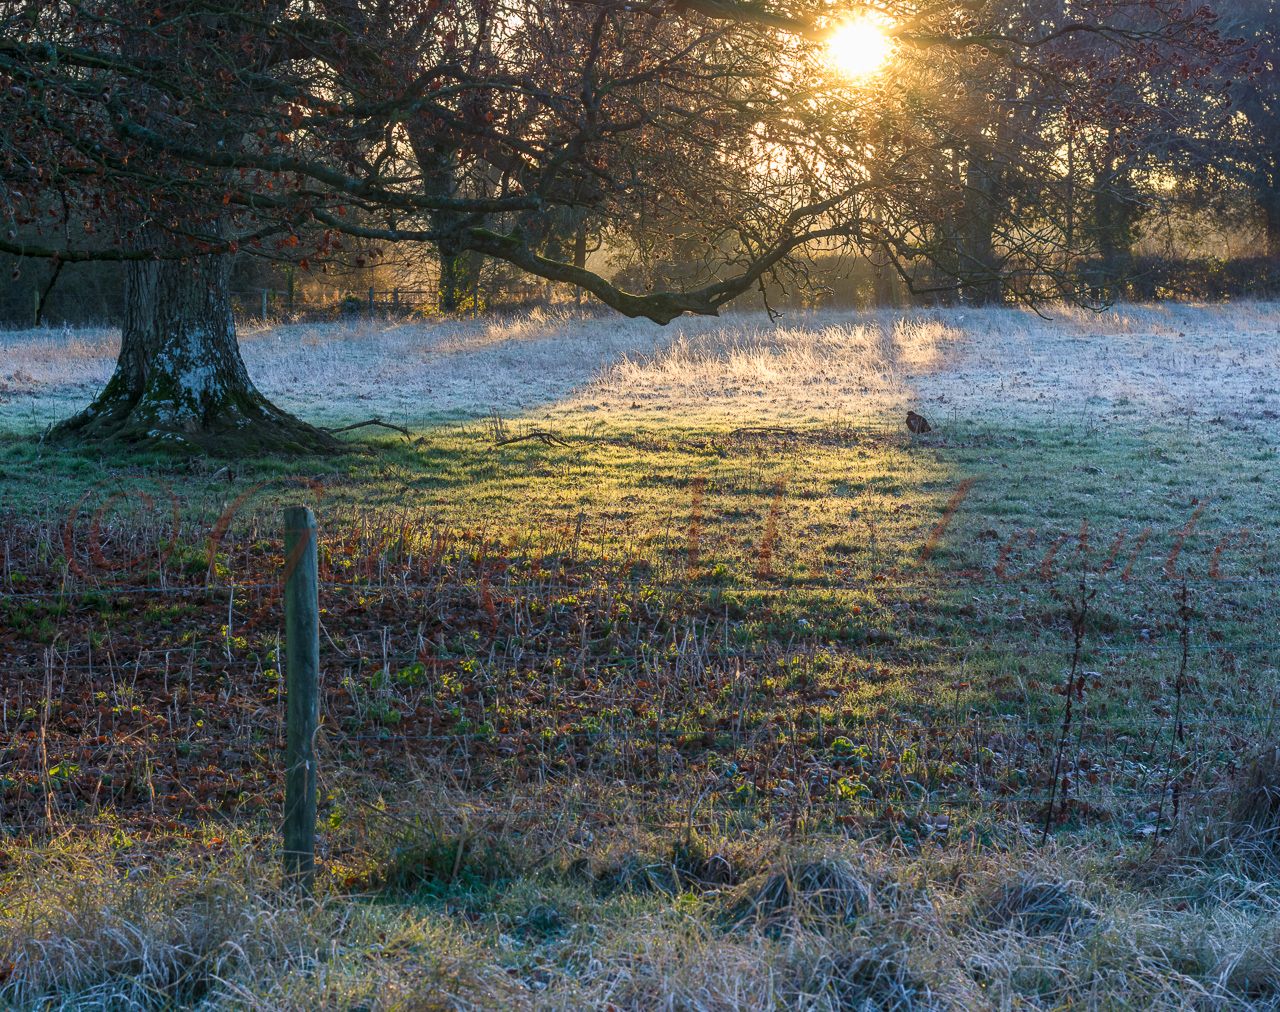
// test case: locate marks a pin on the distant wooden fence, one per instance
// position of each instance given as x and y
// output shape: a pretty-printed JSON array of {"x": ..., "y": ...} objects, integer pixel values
[
  {"x": 20, "y": 307},
  {"x": 268, "y": 303}
]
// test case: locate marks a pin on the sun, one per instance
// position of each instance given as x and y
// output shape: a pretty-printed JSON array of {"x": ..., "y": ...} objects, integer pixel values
[{"x": 858, "y": 48}]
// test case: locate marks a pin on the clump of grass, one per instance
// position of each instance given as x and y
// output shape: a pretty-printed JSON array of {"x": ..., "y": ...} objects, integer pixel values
[
  {"x": 663, "y": 963},
  {"x": 691, "y": 862},
  {"x": 138, "y": 927},
  {"x": 464, "y": 858},
  {"x": 878, "y": 976},
  {"x": 636, "y": 874},
  {"x": 806, "y": 891},
  {"x": 1257, "y": 808},
  {"x": 104, "y": 929},
  {"x": 1033, "y": 905}
]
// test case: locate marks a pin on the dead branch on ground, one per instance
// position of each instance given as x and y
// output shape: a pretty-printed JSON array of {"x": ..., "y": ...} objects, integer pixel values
[
  {"x": 543, "y": 437},
  {"x": 764, "y": 430},
  {"x": 371, "y": 421}
]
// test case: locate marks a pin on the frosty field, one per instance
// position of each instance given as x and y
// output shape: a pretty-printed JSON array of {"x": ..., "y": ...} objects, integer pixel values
[
  {"x": 1162, "y": 361},
  {"x": 735, "y": 695}
]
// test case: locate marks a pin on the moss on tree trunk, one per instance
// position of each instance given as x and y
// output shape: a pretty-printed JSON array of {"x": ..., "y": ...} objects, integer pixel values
[{"x": 179, "y": 382}]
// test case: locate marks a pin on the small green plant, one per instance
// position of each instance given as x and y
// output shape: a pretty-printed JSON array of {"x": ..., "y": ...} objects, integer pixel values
[
  {"x": 415, "y": 674},
  {"x": 383, "y": 712}
]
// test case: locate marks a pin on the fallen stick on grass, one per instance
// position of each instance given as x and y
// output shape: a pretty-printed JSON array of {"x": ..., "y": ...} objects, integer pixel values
[
  {"x": 538, "y": 434},
  {"x": 371, "y": 421},
  {"x": 761, "y": 430}
]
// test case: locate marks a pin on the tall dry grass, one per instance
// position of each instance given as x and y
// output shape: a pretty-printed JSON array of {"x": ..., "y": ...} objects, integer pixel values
[
  {"x": 745, "y": 366},
  {"x": 821, "y": 926}
]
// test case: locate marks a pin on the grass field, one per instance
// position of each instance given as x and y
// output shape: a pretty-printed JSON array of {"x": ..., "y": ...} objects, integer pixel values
[{"x": 729, "y": 694}]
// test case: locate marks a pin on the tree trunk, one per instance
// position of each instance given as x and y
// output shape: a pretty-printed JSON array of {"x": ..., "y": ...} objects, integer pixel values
[
  {"x": 977, "y": 260},
  {"x": 453, "y": 277},
  {"x": 1115, "y": 217},
  {"x": 885, "y": 293},
  {"x": 1270, "y": 200},
  {"x": 438, "y": 164},
  {"x": 179, "y": 382},
  {"x": 580, "y": 254}
]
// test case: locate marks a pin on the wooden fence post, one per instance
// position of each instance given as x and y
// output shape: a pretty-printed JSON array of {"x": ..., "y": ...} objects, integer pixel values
[{"x": 302, "y": 631}]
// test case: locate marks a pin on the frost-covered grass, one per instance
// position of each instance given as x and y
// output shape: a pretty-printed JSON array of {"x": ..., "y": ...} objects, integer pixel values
[
  {"x": 810, "y": 926},
  {"x": 1139, "y": 417},
  {"x": 334, "y": 373},
  {"x": 988, "y": 366},
  {"x": 982, "y": 365}
]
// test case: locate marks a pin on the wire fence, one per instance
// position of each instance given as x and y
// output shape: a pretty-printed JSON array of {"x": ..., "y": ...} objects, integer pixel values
[
  {"x": 635, "y": 674},
  {"x": 875, "y": 771}
]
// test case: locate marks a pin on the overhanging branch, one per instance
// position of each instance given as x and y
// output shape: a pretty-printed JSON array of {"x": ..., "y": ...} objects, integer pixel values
[
  {"x": 660, "y": 307},
  {"x": 342, "y": 183},
  {"x": 75, "y": 256}
]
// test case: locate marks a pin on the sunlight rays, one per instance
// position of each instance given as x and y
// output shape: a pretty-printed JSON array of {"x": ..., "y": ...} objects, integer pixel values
[{"x": 858, "y": 48}]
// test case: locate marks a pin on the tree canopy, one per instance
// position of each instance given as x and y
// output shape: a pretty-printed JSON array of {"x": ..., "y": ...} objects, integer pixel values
[{"x": 719, "y": 138}]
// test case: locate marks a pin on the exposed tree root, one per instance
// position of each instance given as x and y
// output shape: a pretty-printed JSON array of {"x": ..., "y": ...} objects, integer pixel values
[{"x": 243, "y": 423}]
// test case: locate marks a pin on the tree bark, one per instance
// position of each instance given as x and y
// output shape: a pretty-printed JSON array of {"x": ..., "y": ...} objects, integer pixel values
[
  {"x": 580, "y": 255},
  {"x": 977, "y": 245},
  {"x": 438, "y": 163},
  {"x": 179, "y": 382},
  {"x": 1270, "y": 200},
  {"x": 453, "y": 278},
  {"x": 885, "y": 293},
  {"x": 1115, "y": 218}
]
